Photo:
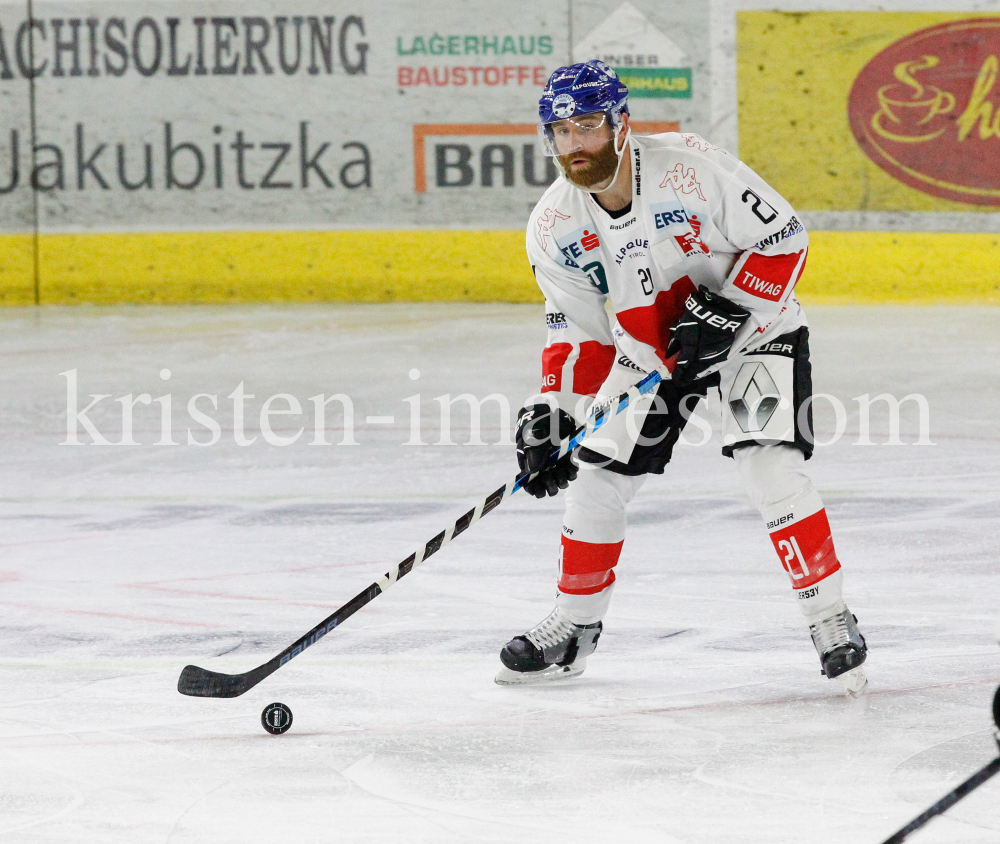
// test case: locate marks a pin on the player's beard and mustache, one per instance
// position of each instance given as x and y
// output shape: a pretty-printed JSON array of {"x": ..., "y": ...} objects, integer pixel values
[{"x": 601, "y": 166}]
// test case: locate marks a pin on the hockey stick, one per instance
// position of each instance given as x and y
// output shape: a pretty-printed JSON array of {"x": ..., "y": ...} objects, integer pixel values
[
  {"x": 199, "y": 682},
  {"x": 950, "y": 799}
]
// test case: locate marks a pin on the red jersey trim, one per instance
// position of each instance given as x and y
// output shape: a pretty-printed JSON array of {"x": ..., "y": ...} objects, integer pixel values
[
  {"x": 592, "y": 367},
  {"x": 770, "y": 276},
  {"x": 553, "y": 361},
  {"x": 651, "y": 323}
]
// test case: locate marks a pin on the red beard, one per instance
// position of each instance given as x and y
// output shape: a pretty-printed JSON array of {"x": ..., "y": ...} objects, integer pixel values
[{"x": 600, "y": 166}]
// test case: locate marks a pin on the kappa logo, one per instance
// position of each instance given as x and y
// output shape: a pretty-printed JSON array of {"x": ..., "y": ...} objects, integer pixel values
[
  {"x": 698, "y": 142},
  {"x": 683, "y": 179},
  {"x": 545, "y": 223}
]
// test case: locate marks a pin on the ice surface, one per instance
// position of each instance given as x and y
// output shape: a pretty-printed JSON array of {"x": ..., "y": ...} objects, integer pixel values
[{"x": 702, "y": 717}]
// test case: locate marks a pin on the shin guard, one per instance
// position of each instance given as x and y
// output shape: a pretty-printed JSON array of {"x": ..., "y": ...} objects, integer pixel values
[{"x": 801, "y": 535}]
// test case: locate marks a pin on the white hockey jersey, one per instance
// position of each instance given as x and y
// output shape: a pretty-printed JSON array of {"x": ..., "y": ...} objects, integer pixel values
[{"x": 614, "y": 286}]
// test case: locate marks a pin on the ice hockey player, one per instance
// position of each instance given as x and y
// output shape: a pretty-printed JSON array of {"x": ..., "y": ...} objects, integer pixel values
[{"x": 696, "y": 257}]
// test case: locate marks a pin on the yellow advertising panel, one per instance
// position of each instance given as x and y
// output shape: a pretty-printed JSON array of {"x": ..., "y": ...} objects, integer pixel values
[
  {"x": 17, "y": 269},
  {"x": 872, "y": 111}
]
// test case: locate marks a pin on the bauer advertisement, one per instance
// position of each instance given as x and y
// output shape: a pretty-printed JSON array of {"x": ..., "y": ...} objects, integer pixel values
[
  {"x": 873, "y": 111},
  {"x": 205, "y": 116}
]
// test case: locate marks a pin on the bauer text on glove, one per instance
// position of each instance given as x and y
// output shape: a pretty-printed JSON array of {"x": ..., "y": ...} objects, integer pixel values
[{"x": 704, "y": 334}]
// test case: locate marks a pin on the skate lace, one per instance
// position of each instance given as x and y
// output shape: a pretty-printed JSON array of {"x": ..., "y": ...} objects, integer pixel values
[
  {"x": 554, "y": 629},
  {"x": 831, "y": 632}
]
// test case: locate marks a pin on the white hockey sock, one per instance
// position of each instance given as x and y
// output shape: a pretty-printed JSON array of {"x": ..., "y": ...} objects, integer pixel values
[
  {"x": 818, "y": 600},
  {"x": 801, "y": 535},
  {"x": 585, "y": 609}
]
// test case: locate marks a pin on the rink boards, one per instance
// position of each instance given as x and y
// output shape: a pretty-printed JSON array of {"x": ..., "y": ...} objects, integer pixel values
[
  {"x": 418, "y": 265},
  {"x": 315, "y": 151}
]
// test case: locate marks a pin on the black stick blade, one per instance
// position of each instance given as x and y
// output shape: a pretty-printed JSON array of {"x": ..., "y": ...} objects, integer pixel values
[{"x": 197, "y": 682}]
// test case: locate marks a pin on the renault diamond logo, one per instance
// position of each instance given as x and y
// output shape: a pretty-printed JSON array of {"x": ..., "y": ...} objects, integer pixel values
[{"x": 754, "y": 397}]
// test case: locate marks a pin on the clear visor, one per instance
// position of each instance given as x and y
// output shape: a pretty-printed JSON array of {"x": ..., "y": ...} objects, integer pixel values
[{"x": 572, "y": 134}]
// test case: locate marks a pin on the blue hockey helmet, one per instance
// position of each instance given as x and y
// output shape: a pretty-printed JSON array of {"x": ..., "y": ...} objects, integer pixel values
[{"x": 583, "y": 88}]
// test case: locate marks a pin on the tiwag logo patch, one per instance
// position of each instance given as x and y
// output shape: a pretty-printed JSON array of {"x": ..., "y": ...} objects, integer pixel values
[
  {"x": 760, "y": 287},
  {"x": 769, "y": 276}
]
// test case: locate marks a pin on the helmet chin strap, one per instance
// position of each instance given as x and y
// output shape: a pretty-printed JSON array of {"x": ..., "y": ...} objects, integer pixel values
[{"x": 621, "y": 156}]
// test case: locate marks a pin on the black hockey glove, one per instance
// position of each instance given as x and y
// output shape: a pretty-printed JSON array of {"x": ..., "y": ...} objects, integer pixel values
[
  {"x": 704, "y": 334},
  {"x": 536, "y": 441}
]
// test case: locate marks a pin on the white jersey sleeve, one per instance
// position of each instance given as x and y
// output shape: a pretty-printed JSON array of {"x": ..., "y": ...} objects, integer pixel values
[
  {"x": 579, "y": 349},
  {"x": 770, "y": 242}
]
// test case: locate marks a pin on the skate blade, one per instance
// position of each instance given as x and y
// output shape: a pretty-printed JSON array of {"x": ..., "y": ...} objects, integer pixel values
[
  {"x": 855, "y": 682},
  {"x": 506, "y": 677}
]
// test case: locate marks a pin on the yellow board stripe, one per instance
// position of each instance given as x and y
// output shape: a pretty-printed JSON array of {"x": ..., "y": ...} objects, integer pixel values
[
  {"x": 17, "y": 269},
  {"x": 901, "y": 267},
  {"x": 421, "y": 266}
]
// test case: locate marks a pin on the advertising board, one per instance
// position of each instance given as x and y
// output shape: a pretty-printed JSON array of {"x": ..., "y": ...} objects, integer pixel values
[
  {"x": 127, "y": 123},
  {"x": 873, "y": 111}
]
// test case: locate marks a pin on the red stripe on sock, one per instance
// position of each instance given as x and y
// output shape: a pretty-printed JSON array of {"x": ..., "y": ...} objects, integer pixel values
[
  {"x": 586, "y": 568},
  {"x": 806, "y": 550}
]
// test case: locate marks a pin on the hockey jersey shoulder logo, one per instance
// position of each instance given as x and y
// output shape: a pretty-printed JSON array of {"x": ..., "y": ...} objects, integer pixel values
[
  {"x": 699, "y": 143},
  {"x": 683, "y": 179},
  {"x": 545, "y": 223},
  {"x": 769, "y": 276}
]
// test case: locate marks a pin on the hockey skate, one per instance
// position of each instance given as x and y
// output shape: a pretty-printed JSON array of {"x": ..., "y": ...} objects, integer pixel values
[
  {"x": 841, "y": 648},
  {"x": 554, "y": 649}
]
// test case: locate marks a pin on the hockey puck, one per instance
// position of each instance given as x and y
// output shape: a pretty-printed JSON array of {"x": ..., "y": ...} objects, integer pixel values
[
  {"x": 996, "y": 709},
  {"x": 276, "y": 718}
]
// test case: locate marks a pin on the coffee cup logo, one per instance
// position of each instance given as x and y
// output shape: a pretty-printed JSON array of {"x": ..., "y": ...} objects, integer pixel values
[
  {"x": 909, "y": 105},
  {"x": 927, "y": 111}
]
